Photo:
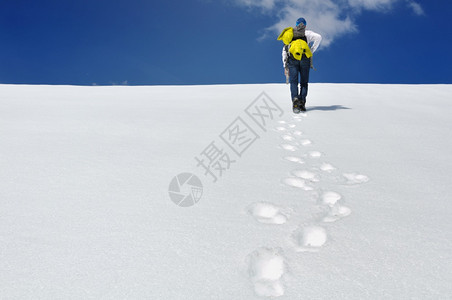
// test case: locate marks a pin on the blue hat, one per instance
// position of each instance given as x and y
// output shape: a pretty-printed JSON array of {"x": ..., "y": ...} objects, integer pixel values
[{"x": 301, "y": 20}]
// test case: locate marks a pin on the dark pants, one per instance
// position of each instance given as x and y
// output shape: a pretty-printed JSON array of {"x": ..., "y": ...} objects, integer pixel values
[{"x": 299, "y": 68}]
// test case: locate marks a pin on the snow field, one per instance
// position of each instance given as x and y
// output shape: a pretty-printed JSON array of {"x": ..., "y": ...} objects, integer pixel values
[{"x": 361, "y": 211}]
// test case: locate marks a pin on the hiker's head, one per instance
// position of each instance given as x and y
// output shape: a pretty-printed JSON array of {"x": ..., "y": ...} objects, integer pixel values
[{"x": 301, "y": 21}]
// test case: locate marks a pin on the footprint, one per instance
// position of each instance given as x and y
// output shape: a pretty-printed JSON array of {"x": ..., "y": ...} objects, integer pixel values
[
  {"x": 300, "y": 116},
  {"x": 267, "y": 213},
  {"x": 297, "y": 182},
  {"x": 327, "y": 167},
  {"x": 280, "y": 128},
  {"x": 289, "y": 147},
  {"x": 305, "y": 142},
  {"x": 315, "y": 154},
  {"x": 282, "y": 122},
  {"x": 337, "y": 212},
  {"x": 292, "y": 125},
  {"x": 266, "y": 270},
  {"x": 294, "y": 159},
  {"x": 288, "y": 138},
  {"x": 330, "y": 198},
  {"x": 307, "y": 175},
  {"x": 298, "y": 133},
  {"x": 354, "y": 178},
  {"x": 310, "y": 238}
]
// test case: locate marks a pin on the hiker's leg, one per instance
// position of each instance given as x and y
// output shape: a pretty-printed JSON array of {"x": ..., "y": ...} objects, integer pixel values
[
  {"x": 305, "y": 65},
  {"x": 293, "y": 77}
]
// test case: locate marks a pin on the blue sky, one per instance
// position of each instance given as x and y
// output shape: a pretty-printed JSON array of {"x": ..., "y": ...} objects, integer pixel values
[{"x": 220, "y": 42}]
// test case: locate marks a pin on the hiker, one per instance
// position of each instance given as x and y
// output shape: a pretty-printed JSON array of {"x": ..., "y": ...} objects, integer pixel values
[{"x": 299, "y": 45}]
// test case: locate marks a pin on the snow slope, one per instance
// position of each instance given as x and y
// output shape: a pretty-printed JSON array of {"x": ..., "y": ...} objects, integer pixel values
[{"x": 348, "y": 201}]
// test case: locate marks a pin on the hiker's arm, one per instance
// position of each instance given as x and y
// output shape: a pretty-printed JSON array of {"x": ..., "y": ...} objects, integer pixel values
[
  {"x": 313, "y": 38},
  {"x": 284, "y": 57}
]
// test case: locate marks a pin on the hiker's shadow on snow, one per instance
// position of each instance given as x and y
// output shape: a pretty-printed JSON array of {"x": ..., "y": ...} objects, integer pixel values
[{"x": 327, "y": 108}]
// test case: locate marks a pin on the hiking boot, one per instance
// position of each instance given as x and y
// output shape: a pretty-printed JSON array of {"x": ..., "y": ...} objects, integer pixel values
[
  {"x": 296, "y": 105},
  {"x": 303, "y": 105}
]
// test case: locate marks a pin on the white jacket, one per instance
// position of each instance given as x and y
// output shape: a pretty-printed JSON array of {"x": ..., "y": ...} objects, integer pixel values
[{"x": 314, "y": 40}]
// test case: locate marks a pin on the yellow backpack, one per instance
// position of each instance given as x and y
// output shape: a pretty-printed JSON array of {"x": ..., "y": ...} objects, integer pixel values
[{"x": 297, "y": 47}]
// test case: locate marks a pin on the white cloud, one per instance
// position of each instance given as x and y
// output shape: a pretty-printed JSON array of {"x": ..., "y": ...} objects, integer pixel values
[
  {"x": 263, "y": 4},
  {"x": 416, "y": 7},
  {"x": 330, "y": 18},
  {"x": 323, "y": 17},
  {"x": 378, "y": 5}
]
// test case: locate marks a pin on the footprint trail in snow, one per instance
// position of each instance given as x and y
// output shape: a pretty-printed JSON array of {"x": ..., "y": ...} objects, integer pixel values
[{"x": 267, "y": 265}]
